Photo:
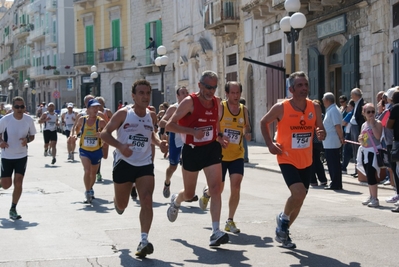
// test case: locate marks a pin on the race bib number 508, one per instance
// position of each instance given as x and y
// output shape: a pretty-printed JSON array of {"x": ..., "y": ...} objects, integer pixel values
[{"x": 301, "y": 140}]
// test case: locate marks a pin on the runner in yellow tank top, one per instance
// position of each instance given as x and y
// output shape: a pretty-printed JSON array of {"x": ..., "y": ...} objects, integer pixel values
[
  {"x": 297, "y": 118},
  {"x": 90, "y": 145}
]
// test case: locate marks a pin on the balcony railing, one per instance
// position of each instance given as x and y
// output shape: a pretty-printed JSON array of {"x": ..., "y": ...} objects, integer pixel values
[
  {"x": 33, "y": 7},
  {"x": 21, "y": 63},
  {"x": 51, "y": 39},
  {"x": 220, "y": 13},
  {"x": 142, "y": 59},
  {"x": 22, "y": 32},
  {"x": 111, "y": 54},
  {"x": 37, "y": 34},
  {"x": 36, "y": 71},
  {"x": 8, "y": 40},
  {"x": 84, "y": 59}
]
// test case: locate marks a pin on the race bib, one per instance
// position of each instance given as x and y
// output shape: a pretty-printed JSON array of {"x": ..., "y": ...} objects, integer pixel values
[
  {"x": 233, "y": 135},
  {"x": 90, "y": 141},
  {"x": 301, "y": 140},
  {"x": 139, "y": 142},
  {"x": 208, "y": 130}
]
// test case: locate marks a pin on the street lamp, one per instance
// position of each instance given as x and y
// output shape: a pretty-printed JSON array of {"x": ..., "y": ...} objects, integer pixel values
[
  {"x": 161, "y": 61},
  {"x": 10, "y": 87},
  {"x": 1, "y": 88},
  {"x": 94, "y": 76},
  {"x": 26, "y": 84},
  {"x": 292, "y": 25}
]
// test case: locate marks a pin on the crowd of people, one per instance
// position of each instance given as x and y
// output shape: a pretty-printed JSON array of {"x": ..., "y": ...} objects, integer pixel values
[{"x": 204, "y": 132}]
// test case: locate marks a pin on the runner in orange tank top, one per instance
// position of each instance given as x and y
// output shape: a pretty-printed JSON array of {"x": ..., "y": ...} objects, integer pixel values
[{"x": 297, "y": 118}]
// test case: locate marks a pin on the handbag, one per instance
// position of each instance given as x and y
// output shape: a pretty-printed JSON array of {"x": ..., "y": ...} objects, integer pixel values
[
  {"x": 379, "y": 153},
  {"x": 395, "y": 151}
]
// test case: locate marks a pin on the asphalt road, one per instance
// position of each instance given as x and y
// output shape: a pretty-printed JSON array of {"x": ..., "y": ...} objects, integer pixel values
[{"x": 57, "y": 229}]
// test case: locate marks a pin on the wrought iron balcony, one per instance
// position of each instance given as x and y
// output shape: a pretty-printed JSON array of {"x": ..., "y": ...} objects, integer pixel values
[
  {"x": 84, "y": 59},
  {"x": 222, "y": 14}
]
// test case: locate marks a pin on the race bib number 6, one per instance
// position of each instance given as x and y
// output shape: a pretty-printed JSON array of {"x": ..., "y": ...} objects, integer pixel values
[
  {"x": 139, "y": 142},
  {"x": 301, "y": 140}
]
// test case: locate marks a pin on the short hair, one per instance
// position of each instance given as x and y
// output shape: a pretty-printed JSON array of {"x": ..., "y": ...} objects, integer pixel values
[
  {"x": 165, "y": 105},
  {"x": 343, "y": 97},
  {"x": 178, "y": 90},
  {"x": 293, "y": 76},
  {"x": 209, "y": 74},
  {"x": 150, "y": 38},
  {"x": 243, "y": 101},
  {"x": 140, "y": 82},
  {"x": 352, "y": 103},
  {"x": 395, "y": 97},
  {"x": 86, "y": 99},
  {"x": 329, "y": 97},
  {"x": 227, "y": 86},
  {"x": 357, "y": 92},
  {"x": 17, "y": 98}
]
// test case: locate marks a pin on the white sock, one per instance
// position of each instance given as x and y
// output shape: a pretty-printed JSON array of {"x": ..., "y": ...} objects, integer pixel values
[
  {"x": 285, "y": 217},
  {"x": 215, "y": 227},
  {"x": 144, "y": 237}
]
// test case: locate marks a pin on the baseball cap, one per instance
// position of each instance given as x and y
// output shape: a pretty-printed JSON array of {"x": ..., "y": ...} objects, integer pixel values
[
  {"x": 70, "y": 105},
  {"x": 93, "y": 103},
  {"x": 390, "y": 92}
]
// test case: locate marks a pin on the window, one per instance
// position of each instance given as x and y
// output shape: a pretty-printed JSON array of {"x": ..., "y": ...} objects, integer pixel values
[
  {"x": 231, "y": 59},
  {"x": 116, "y": 33},
  {"x": 274, "y": 48},
  {"x": 154, "y": 30},
  {"x": 395, "y": 15}
]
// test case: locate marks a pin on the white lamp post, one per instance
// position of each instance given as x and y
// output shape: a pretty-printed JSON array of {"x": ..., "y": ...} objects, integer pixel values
[
  {"x": 94, "y": 76},
  {"x": 1, "y": 88},
  {"x": 161, "y": 61},
  {"x": 292, "y": 25},
  {"x": 10, "y": 86}
]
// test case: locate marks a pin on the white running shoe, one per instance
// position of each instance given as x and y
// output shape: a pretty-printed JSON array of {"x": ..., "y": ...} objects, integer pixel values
[
  {"x": 392, "y": 199},
  {"x": 173, "y": 210},
  {"x": 218, "y": 238}
]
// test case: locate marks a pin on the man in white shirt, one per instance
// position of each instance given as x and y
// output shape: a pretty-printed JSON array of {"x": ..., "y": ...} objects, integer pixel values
[
  {"x": 50, "y": 120},
  {"x": 16, "y": 130},
  {"x": 357, "y": 118}
]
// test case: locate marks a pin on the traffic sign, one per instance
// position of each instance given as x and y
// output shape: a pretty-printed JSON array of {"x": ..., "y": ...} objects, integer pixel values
[{"x": 56, "y": 94}]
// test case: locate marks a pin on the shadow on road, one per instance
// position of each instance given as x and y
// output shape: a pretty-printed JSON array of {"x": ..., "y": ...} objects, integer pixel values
[
  {"x": 128, "y": 260},
  {"x": 216, "y": 256},
  {"x": 16, "y": 225},
  {"x": 307, "y": 258},
  {"x": 96, "y": 205}
]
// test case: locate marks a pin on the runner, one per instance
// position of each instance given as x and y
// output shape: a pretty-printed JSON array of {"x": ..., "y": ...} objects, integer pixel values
[
  {"x": 197, "y": 119},
  {"x": 175, "y": 141},
  {"x": 133, "y": 158},
  {"x": 90, "y": 150},
  {"x": 68, "y": 120},
  {"x": 234, "y": 124},
  {"x": 296, "y": 121},
  {"x": 50, "y": 120},
  {"x": 16, "y": 131}
]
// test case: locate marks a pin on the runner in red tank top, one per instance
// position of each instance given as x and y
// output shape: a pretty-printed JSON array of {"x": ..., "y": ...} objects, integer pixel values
[{"x": 198, "y": 120}]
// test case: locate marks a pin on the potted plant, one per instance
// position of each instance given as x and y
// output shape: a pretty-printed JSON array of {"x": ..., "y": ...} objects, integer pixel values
[
  {"x": 53, "y": 67},
  {"x": 56, "y": 72},
  {"x": 67, "y": 67}
]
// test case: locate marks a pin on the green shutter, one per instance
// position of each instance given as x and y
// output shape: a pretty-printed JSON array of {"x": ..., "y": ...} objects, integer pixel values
[
  {"x": 116, "y": 33},
  {"x": 350, "y": 65},
  {"x": 21, "y": 76},
  {"x": 90, "y": 44},
  {"x": 316, "y": 73},
  {"x": 158, "y": 34},
  {"x": 147, "y": 43}
]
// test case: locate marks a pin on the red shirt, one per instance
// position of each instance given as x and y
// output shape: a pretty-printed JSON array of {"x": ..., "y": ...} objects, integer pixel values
[{"x": 201, "y": 118}]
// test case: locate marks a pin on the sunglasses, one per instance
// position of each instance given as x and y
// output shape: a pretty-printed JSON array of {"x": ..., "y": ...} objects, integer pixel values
[
  {"x": 342, "y": 101},
  {"x": 370, "y": 111},
  {"x": 209, "y": 87},
  {"x": 19, "y": 106}
]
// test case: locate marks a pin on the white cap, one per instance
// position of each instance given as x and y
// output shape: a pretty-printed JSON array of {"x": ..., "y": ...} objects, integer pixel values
[
  {"x": 390, "y": 92},
  {"x": 70, "y": 105}
]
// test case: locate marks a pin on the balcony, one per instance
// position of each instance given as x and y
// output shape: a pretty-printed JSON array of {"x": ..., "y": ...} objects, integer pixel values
[
  {"x": 263, "y": 9},
  {"x": 37, "y": 72},
  {"x": 142, "y": 59},
  {"x": 8, "y": 40},
  {"x": 51, "y": 5},
  {"x": 222, "y": 16},
  {"x": 22, "y": 63},
  {"x": 84, "y": 60},
  {"x": 60, "y": 73},
  {"x": 51, "y": 39},
  {"x": 33, "y": 8},
  {"x": 22, "y": 32},
  {"x": 85, "y": 3},
  {"x": 37, "y": 34},
  {"x": 111, "y": 56}
]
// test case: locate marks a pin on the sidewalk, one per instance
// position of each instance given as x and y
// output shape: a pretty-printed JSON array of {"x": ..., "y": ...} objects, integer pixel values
[{"x": 260, "y": 157}]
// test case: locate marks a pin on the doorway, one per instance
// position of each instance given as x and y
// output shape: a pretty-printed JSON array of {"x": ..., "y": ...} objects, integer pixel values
[
  {"x": 117, "y": 95},
  {"x": 335, "y": 73}
]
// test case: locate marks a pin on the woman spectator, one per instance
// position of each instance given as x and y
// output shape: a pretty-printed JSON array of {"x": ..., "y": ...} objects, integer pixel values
[{"x": 369, "y": 139}]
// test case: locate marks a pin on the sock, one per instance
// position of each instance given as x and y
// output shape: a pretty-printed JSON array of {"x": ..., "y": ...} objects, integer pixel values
[
  {"x": 13, "y": 206},
  {"x": 167, "y": 184},
  {"x": 215, "y": 227},
  {"x": 176, "y": 204},
  {"x": 230, "y": 219},
  {"x": 284, "y": 216},
  {"x": 144, "y": 237}
]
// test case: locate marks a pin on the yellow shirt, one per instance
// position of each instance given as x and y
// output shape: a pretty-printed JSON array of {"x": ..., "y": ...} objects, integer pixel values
[
  {"x": 89, "y": 140},
  {"x": 233, "y": 126}
]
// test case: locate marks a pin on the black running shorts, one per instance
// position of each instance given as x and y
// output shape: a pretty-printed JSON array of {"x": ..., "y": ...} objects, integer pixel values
[
  {"x": 8, "y": 166},
  {"x": 124, "y": 172},
  {"x": 293, "y": 175},
  {"x": 199, "y": 157}
]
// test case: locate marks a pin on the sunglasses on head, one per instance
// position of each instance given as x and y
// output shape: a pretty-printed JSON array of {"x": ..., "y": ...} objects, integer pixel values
[
  {"x": 370, "y": 111},
  {"x": 209, "y": 87},
  {"x": 19, "y": 106}
]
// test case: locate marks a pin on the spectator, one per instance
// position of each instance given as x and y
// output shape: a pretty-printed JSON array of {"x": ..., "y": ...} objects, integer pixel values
[
  {"x": 357, "y": 118},
  {"x": 347, "y": 151},
  {"x": 152, "y": 47},
  {"x": 120, "y": 104},
  {"x": 333, "y": 142}
]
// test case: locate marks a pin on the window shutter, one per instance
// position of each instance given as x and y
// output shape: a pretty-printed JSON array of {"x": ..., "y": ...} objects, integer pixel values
[
  {"x": 90, "y": 44},
  {"x": 316, "y": 73},
  {"x": 147, "y": 43},
  {"x": 396, "y": 62},
  {"x": 158, "y": 33},
  {"x": 350, "y": 65}
]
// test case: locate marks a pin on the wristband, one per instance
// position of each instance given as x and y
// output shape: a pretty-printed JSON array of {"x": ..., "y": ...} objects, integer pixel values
[
  {"x": 220, "y": 134},
  {"x": 162, "y": 131}
]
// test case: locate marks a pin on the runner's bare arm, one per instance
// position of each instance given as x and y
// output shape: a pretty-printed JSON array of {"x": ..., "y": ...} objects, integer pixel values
[
  {"x": 320, "y": 131},
  {"x": 114, "y": 123},
  {"x": 185, "y": 107},
  {"x": 166, "y": 117},
  {"x": 275, "y": 113}
]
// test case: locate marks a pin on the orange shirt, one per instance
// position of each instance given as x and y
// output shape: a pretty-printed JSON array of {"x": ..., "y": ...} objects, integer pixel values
[{"x": 295, "y": 134}]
